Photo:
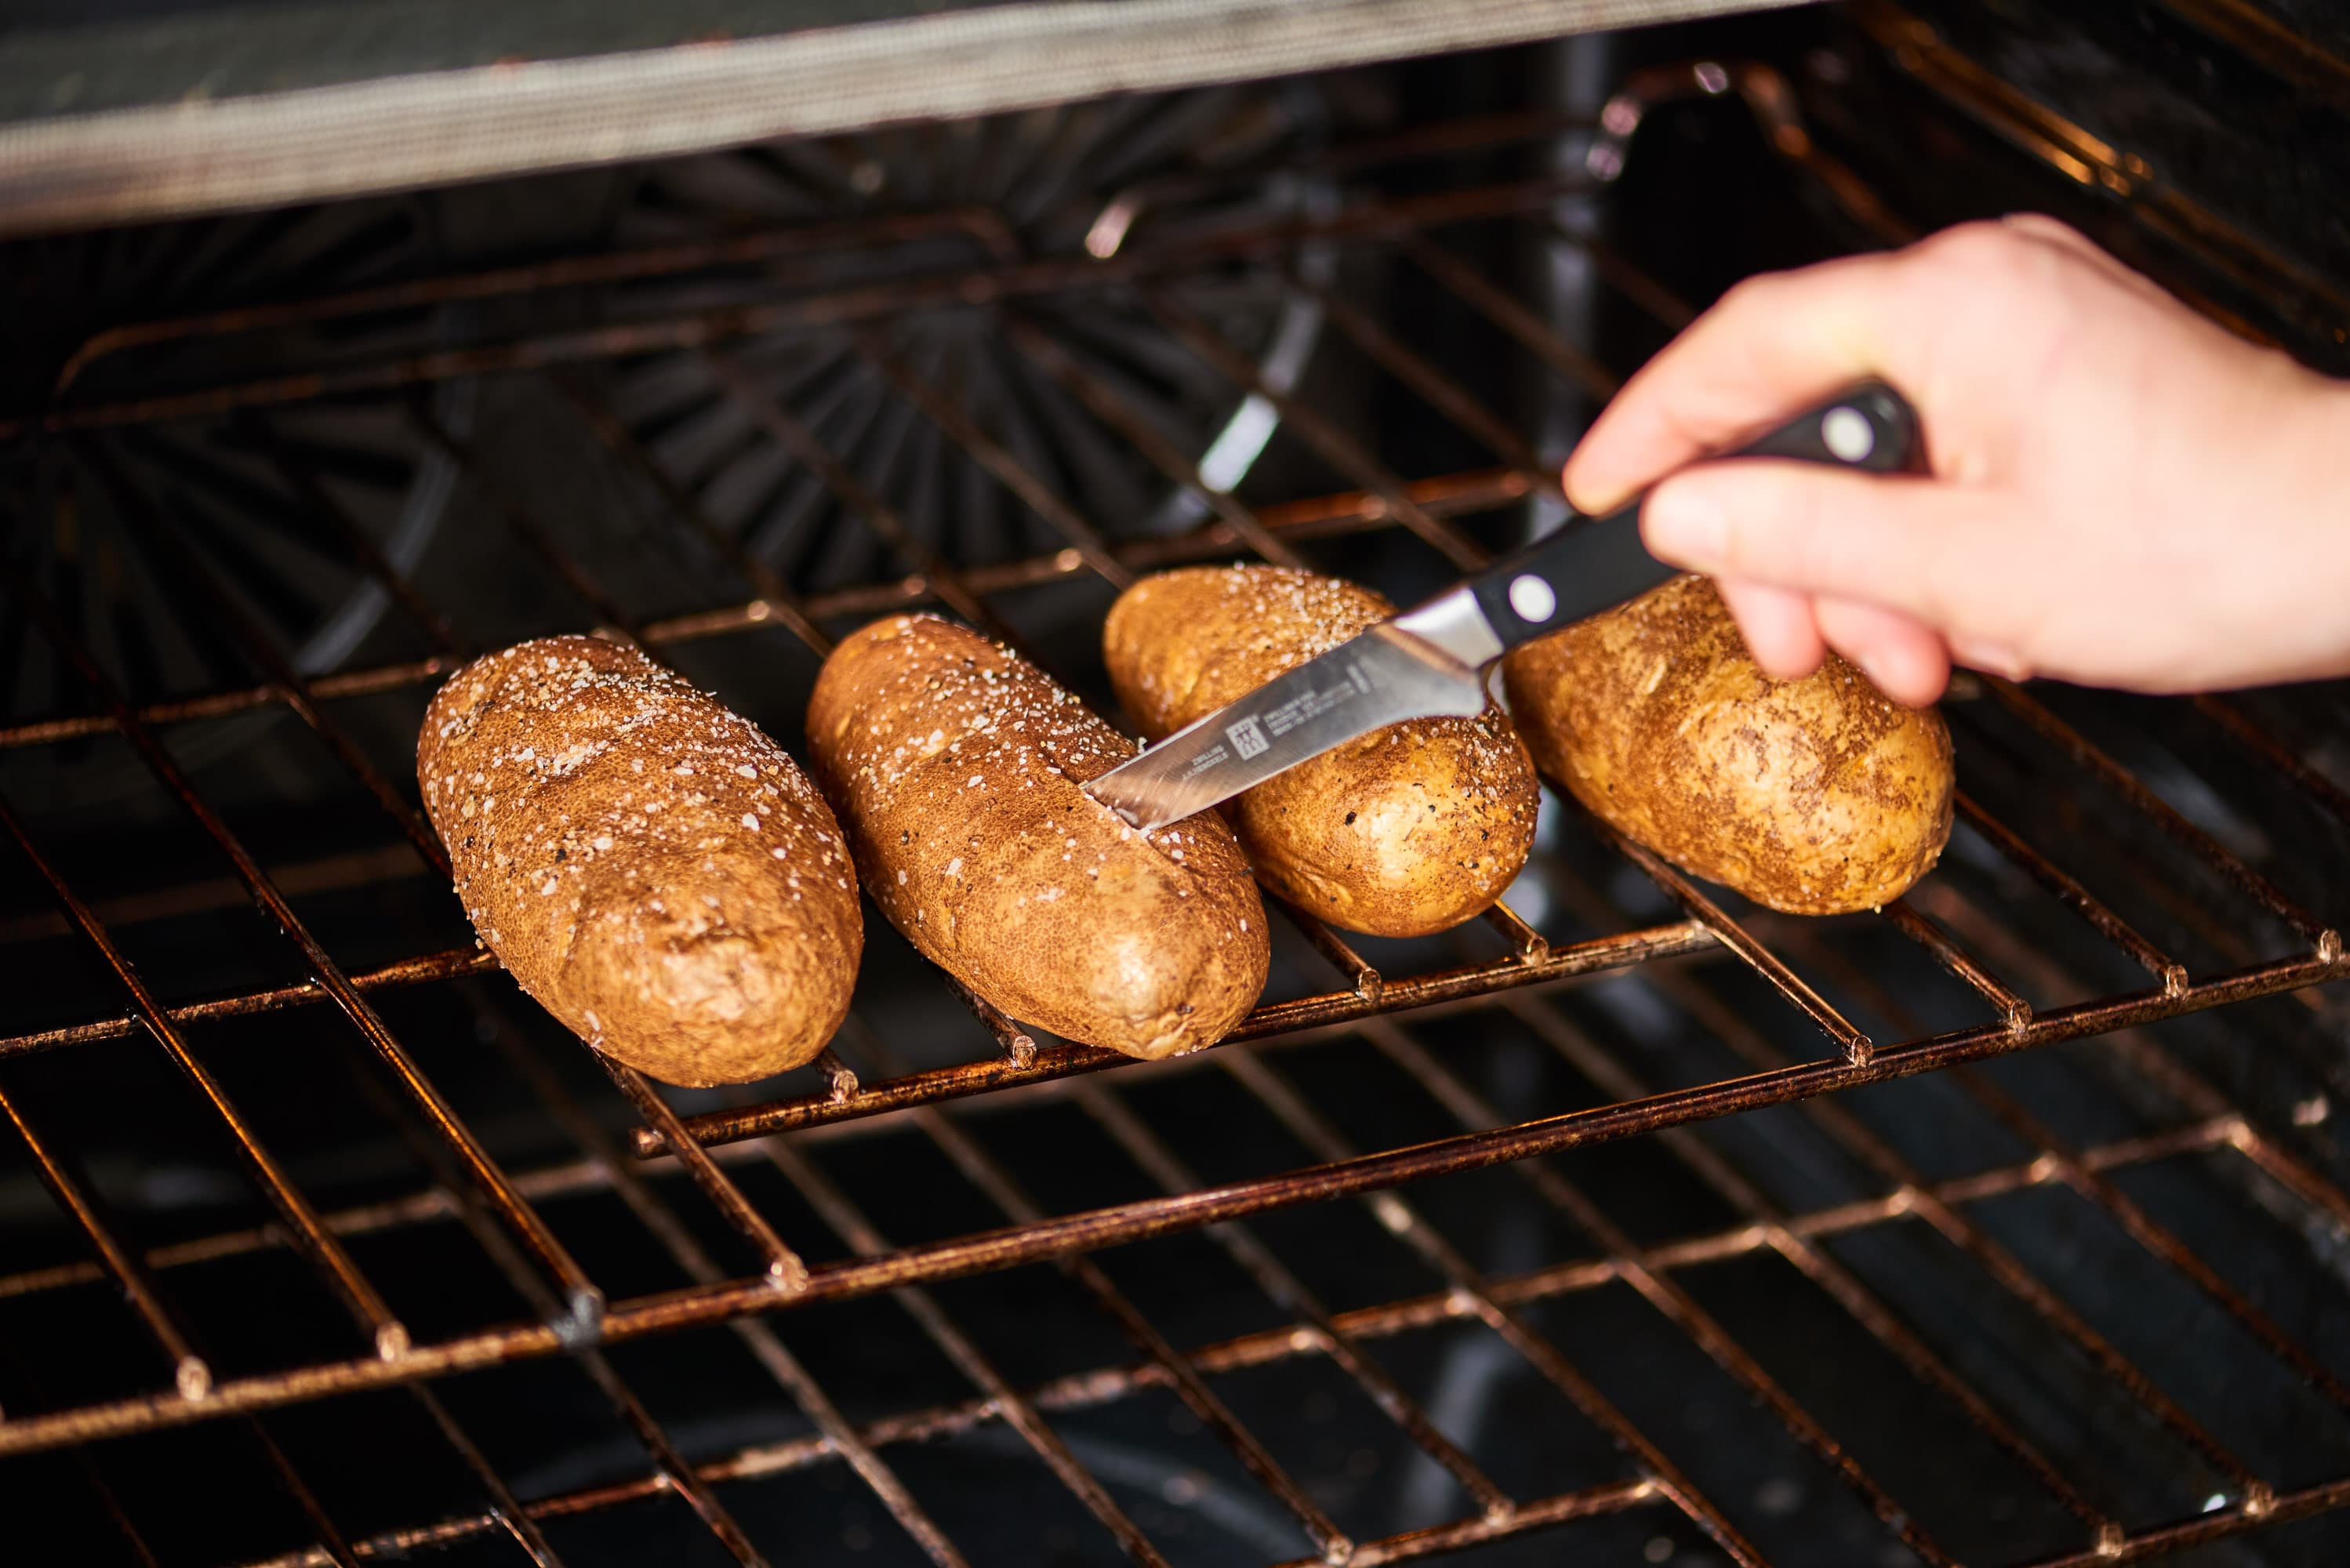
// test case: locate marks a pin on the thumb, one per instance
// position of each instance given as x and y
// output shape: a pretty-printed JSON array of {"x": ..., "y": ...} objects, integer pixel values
[{"x": 1915, "y": 545}]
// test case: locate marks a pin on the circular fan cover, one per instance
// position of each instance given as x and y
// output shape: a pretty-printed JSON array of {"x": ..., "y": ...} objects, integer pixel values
[
  {"x": 1043, "y": 179},
  {"x": 249, "y": 490},
  {"x": 91, "y": 509}
]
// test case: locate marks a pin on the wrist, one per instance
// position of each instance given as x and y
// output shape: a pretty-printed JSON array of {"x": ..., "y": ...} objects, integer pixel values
[{"x": 2312, "y": 582}]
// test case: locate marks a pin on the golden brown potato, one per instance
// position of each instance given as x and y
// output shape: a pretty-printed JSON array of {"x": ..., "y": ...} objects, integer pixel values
[
  {"x": 957, "y": 766},
  {"x": 1815, "y": 796},
  {"x": 1411, "y": 829},
  {"x": 650, "y": 867}
]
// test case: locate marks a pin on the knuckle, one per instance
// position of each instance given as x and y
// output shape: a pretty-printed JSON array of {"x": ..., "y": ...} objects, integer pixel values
[
  {"x": 1750, "y": 294},
  {"x": 2043, "y": 226},
  {"x": 1983, "y": 253}
]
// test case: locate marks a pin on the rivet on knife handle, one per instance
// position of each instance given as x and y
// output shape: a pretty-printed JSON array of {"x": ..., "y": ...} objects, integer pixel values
[{"x": 1595, "y": 564}]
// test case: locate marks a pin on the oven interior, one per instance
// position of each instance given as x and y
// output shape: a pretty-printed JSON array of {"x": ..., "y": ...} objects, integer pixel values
[{"x": 1632, "y": 1224}]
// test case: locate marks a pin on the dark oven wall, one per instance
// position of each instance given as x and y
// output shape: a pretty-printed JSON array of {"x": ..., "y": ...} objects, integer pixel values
[{"x": 1632, "y": 1223}]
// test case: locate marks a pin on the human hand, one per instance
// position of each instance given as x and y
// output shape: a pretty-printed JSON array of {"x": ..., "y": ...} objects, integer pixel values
[{"x": 2120, "y": 491}]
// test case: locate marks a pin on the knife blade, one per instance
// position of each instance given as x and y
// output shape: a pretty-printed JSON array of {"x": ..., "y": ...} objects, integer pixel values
[{"x": 1432, "y": 659}]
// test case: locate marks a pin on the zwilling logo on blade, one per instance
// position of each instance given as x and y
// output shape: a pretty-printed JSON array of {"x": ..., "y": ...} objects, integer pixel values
[{"x": 1248, "y": 739}]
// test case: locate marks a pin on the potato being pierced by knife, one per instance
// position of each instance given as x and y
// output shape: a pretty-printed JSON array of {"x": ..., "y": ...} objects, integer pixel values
[
  {"x": 1410, "y": 829},
  {"x": 1813, "y": 797}
]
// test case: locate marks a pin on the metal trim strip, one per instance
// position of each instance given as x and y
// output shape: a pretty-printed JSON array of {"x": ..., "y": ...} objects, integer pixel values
[{"x": 477, "y": 123}]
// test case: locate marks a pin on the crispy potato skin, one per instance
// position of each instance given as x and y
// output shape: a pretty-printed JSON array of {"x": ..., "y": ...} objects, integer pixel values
[
  {"x": 958, "y": 768},
  {"x": 1815, "y": 796},
  {"x": 1411, "y": 829},
  {"x": 650, "y": 867}
]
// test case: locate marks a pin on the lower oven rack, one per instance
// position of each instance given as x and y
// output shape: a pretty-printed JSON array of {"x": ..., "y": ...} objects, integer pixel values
[{"x": 1791, "y": 965}]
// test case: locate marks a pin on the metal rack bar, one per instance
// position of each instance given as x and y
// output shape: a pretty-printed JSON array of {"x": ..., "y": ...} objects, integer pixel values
[
  {"x": 786, "y": 1272},
  {"x": 2323, "y": 938},
  {"x": 1659, "y": 1290},
  {"x": 728, "y": 322},
  {"x": 1529, "y": 944},
  {"x": 991, "y": 455},
  {"x": 1598, "y": 955},
  {"x": 116, "y": 1263},
  {"x": 506, "y": 1511},
  {"x": 129, "y": 1532},
  {"x": 1281, "y": 1286},
  {"x": 388, "y": 1336},
  {"x": 2149, "y": 1062},
  {"x": 584, "y": 1301},
  {"x": 330, "y": 1539},
  {"x": 1100, "y": 398},
  {"x": 312, "y": 493},
  {"x": 852, "y": 493},
  {"x": 444, "y": 965},
  {"x": 1343, "y": 450},
  {"x": 2219, "y": 1127},
  {"x": 836, "y": 1437},
  {"x": 1319, "y": 517},
  {"x": 981, "y": 223},
  {"x": 2239, "y": 728},
  {"x": 1402, "y": 1221},
  {"x": 1016, "y": 1044},
  {"x": 1462, "y": 1535},
  {"x": 1958, "y": 962},
  {"x": 1435, "y": 388},
  {"x": 850, "y": 1224},
  {"x": 1572, "y": 363},
  {"x": 678, "y": 1308},
  {"x": 1996, "y": 1261},
  {"x": 472, "y": 1210},
  {"x": 1857, "y": 1047},
  {"x": 983, "y": 1172},
  {"x": 1788, "y": 1235},
  {"x": 2071, "y": 894}
]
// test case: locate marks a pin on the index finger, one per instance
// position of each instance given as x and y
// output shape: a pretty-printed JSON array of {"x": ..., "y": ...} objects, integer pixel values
[{"x": 1771, "y": 346}]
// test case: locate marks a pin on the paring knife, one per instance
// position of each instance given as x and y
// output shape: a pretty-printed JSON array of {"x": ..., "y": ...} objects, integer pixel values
[{"x": 1432, "y": 659}]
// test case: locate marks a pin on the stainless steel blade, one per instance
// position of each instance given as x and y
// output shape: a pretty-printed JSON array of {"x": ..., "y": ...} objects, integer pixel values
[{"x": 1382, "y": 677}]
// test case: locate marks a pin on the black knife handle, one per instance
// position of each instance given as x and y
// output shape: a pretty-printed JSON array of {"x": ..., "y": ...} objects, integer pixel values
[{"x": 1596, "y": 563}]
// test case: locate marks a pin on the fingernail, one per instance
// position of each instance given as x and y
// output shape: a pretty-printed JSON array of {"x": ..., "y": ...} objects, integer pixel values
[
  {"x": 1990, "y": 657},
  {"x": 1682, "y": 523}
]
